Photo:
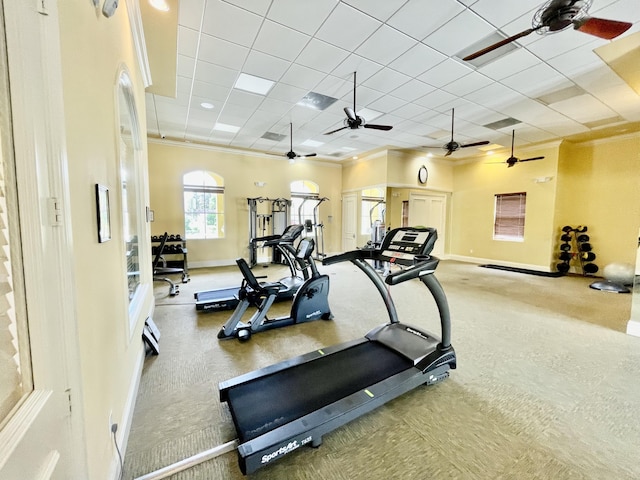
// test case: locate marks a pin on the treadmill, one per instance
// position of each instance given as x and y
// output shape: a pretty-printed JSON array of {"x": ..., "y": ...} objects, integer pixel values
[
  {"x": 227, "y": 298},
  {"x": 282, "y": 407}
]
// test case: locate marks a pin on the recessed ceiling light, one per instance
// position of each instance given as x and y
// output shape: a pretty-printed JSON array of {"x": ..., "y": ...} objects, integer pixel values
[
  {"x": 429, "y": 155},
  {"x": 207, "y": 105},
  {"x": 250, "y": 83},
  {"x": 489, "y": 152},
  {"x": 355, "y": 157},
  {"x": 223, "y": 127},
  {"x": 159, "y": 5}
]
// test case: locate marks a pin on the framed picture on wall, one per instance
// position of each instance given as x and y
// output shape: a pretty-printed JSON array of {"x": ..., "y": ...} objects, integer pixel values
[{"x": 102, "y": 209}]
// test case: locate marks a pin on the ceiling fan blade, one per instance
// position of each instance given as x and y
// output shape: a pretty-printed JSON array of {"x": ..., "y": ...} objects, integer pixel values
[
  {"x": 336, "y": 130},
  {"x": 350, "y": 112},
  {"x": 601, "y": 27},
  {"x": 475, "y": 144},
  {"x": 449, "y": 152},
  {"x": 530, "y": 159},
  {"x": 308, "y": 155},
  {"x": 499, "y": 44},
  {"x": 377, "y": 127}
]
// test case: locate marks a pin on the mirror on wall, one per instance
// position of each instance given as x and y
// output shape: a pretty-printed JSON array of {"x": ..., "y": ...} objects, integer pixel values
[{"x": 130, "y": 182}]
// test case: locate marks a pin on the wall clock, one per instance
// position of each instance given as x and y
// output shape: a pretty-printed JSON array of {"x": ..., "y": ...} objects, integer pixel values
[{"x": 423, "y": 174}]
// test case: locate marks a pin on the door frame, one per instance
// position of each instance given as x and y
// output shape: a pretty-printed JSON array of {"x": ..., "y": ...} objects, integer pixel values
[{"x": 35, "y": 72}]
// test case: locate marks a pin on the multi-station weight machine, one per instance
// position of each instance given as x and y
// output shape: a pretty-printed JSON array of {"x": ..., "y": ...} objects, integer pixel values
[
  {"x": 267, "y": 217},
  {"x": 314, "y": 225}
]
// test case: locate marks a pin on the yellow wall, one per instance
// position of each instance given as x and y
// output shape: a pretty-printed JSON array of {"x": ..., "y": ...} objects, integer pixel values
[
  {"x": 476, "y": 183},
  {"x": 169, "y": 161},
  {"x": 93, "y": 50},
  {"x": 599, "y": 186}
]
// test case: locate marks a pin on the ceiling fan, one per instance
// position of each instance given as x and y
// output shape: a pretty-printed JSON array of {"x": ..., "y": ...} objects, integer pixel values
[
  {"x": 512, "y": 160},
  {"x": 353, "y": 120},
  {"x": 452, "y": 146},
  {"x": 291, "y": 155},
  {"x": 556, "y": 15}
]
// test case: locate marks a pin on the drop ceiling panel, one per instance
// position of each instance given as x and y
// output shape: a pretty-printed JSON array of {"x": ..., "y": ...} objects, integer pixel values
[
  {"x": 503, "y": 12},
  {"x": 411, "y": 84},
  {"x": 221, "y": 52},
  {"x": 584, "y": 108},
  {"x": 230, "y": 23},
  {"x": 188, "y": 41},
  {"x": 321, "y": 56},
  {"x": 455, "y": 35},
  {"x": 265, "y": 66},
  {"x": 385, "y": 45},
  {"x": 510, "y": 64},
  {"x": 256, "y": 6},
  {"x": 412, "y": 90},
  {"x": 211, "y": 73},
  {"x": 305, "y": 17},
  {"x": 386, "y": 80},
  {"x": 302, "y": 77},
  {"x": 346, "y": 27},
  {"x": 419, "y": 19},
  {"x": 445, "y": 72},
  {"x": 417, "y": 60},
  {"x": 280, "y": 41},
  {"x": 467, "y": 84}
]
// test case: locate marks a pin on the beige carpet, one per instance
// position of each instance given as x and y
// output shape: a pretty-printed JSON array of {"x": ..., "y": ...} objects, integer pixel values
[{"x": 546, "y": 386}]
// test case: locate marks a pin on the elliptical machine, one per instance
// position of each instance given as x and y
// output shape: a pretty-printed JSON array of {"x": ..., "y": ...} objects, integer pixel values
[{"x": 311, "y": 301}]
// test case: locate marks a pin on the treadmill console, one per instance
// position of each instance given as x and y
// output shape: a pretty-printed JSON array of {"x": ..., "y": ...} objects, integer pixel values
[{"x": 405, "y": 243}]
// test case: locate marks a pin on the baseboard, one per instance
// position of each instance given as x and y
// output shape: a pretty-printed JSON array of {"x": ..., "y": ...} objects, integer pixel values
[
  {"x": 480, "y": 261},
  {"x": 633, "y": 328},
  {"x": 124, "y": 427}
]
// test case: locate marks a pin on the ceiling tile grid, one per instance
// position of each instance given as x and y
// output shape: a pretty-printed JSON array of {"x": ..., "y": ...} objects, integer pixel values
[{"x": 409, "y": 74}]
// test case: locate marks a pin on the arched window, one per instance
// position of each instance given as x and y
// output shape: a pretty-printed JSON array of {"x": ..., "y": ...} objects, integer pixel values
[
  {"x": 372, "y": 209},
  {"x": 302, "y": 191},
  {"x": 203, "y": 205}
]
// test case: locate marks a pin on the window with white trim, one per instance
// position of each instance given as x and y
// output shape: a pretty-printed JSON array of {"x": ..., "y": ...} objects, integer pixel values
[
  {"x": 203, "y": 205},
  {"x": 509, "y": 216},
  {"x": 304, "y": 196}
]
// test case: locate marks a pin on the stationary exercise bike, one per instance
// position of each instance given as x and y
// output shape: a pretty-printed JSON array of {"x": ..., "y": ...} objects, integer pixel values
[{"x": 310, "y": 302}]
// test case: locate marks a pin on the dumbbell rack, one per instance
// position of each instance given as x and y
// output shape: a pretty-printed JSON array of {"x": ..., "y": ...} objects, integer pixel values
[
  {"x": 575, "y": 244},
  {"x": 175, "y": 245}
]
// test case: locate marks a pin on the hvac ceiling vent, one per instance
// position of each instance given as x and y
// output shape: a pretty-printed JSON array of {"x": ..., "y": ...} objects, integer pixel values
[
  {"x": 317, "y": 101},
  {"x": 276, "y": 137},
  {"x": 505, "y": 122},
  {"x": 337, "y": 154},
  {"x": 489, "y": 57}
]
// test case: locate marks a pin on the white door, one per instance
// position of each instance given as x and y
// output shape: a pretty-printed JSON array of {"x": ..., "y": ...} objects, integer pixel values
[
  {"x": 429, "y": 210},
  {"x": 40, "y": 434},
  {"x": 349, "y": 221}
]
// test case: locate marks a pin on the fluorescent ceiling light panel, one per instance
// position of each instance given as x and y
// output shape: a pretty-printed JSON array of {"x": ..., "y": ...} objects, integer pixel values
[
  {"x": 223, "y": 127},
  {"x": 312, "y": 143},
  {"x": 348, "y": 149},
  {"x": 317, "y": 101},
  {"x": 487, "y": 57},
  {"x": 250, "y": 83},
  {"x": 560, "y": 95}
]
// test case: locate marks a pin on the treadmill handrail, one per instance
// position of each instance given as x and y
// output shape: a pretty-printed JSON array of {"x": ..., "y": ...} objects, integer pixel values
[{"x": 425, "y": 267}]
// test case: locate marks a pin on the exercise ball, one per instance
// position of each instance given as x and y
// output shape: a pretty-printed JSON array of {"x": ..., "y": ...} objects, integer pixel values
[{"x": 623, "y": 273}]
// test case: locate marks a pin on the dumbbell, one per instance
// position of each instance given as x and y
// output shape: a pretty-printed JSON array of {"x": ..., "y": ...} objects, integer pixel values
[
  {"x": 566, "y": 237},
  {"x": 563, "y": 267},
  {"x": 585, "y": 247},
  {"x": 588, "y": 256},
  {"x": 565, "y": 247},
  {"x": 590, "y": 268},
  {"x": 581, "y": 229},
  {"x": 567, "y": 229},
  {"x": 583, "y": 238},
  {"x": 565, "y": 256}
]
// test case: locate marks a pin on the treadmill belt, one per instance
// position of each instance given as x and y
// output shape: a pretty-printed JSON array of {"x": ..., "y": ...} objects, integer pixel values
[{"x": 272, "y": 401}]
